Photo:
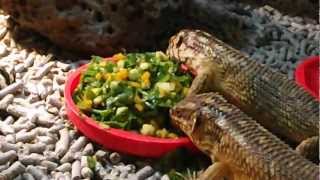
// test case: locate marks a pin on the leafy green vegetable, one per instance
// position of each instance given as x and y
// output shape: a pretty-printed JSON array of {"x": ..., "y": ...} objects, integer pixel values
[
  {"x": 91, "y": 162},
  {"x": 174, "y": 175}
]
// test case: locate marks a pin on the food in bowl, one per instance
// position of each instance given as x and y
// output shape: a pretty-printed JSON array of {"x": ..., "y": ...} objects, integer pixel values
[{"x": 133, "y": 92}]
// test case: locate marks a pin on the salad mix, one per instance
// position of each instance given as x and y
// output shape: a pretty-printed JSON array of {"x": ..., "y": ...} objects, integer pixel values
[{"x": 133, "y": 92}]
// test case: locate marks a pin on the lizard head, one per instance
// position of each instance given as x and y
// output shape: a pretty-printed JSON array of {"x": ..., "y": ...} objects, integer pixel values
[
  {"x": 189, "y": 48},
  {"x": 184, "y": 115},
  {"x": 189, "y": 113},
  {"x": 201, "y": 117}
]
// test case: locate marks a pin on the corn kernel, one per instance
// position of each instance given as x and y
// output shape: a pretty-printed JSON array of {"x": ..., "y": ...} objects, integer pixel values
[
  {"x": 103, "y": 63},
  {"x": 98, "y": 76},
  {"x": 185, "y": 91},
  {"x": 118, "y": 57},
  {"x": 172, "y": 135},
  {"x": 162, "y": 133},
  {"x": 122, "y": 74},
  {"x": 147, "y": 129},
  {"x": 139, "y": 107},
  {"x": 145, "y": 84},
  {"x": 161, "y": 55},
  {"x": 137, "y": 99},
  {"x": 98, "y": 100},
  {"x": 162, "y": 93},
  {"x": 134, "y": 84},
  {"x": 85, "y": 104},
  {"x": 107, "y": 76},
  {"x": 145, "y": 76}
]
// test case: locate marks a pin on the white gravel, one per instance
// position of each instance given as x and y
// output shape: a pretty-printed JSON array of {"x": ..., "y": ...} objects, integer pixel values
[{"x": 36, "y": 139}]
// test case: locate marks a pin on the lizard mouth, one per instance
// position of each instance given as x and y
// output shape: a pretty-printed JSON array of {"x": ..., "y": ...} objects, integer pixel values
[{"x": 182, "y": 124}]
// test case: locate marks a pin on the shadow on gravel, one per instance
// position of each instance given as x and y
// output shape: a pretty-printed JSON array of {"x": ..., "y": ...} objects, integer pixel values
[{"x": 33, "y": 41}]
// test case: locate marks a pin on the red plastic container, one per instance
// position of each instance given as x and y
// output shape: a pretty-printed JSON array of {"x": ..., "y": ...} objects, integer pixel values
[
  {"x": 307, "y": 75},
  {"x": 117, "y": 139}
]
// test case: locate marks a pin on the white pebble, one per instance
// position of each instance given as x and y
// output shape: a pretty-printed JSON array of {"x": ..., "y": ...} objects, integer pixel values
[
  {"x": 64, "y": 167},
  {"x": 7, "y": 156},
  {"x": 32, "y": 159},
  {"x": 86, "y": 172},
  {"x": 78, "y": 144},
  {"x": 63, "y": 144},
  {"x": 4, "y": 102},
  {"x": 75, "y": 172},
  {"x": 13, "y": 171},
  {"x": 11, "y": 89},
  {"x": 25, "y": 136},
  {"x": 49, "y": 165},
  {"x": 36, "y": 172}
]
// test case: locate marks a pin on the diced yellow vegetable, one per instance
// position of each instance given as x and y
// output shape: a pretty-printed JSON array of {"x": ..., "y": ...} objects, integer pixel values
[
  {"x": 145, "y": 66},
  {"x": 120, "y": 64},
  {"x": 122, "y": 74},
  {"x": 103, "y": 63},
  {"x": 178, "y": 86},
  {"x": 121, "y": 110},
  {"x": 118, "y": 57},
  {"x": 134, "y": 74},
  {"x": 115, "y": 69},
  {"x": 103, "y": 125},
  {"x": 97, "y": 101},
  {"x": 139, "y": 107},
  {"x": 145, "y": 76},
  {"x": 162, "y": 93},
  {"x": 107, "y": 76},
  {"x": 145, "y": 85},
  {"x": 137, "y": 99},
  {"x": 161, "y": 55},
  {"x": 165, "y": 88},
  {"x": 134, "y": 84},
  {"x": 172, "y": 135},
  {"x": 96, "y": 91},
  {"x": 162, "y": 133},
  {"x": 85, "y": 104},
  {"x": 98, "y": 76},
  {"x": 185, "y": 91},
  {"x": 147, "y": 129},
  {"x": 114, "y": 85}
]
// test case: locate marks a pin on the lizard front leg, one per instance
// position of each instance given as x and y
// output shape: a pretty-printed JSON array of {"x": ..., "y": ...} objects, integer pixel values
[
  {"x": 309, "y": 148},
  {"x": 221, "y": 171},
  {"x": 216, "y": 171},
  {"x": 202, "y": 83}
]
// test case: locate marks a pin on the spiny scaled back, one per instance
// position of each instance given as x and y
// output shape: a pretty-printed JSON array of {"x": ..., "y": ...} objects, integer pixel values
[{"x": 228, "y": 135}]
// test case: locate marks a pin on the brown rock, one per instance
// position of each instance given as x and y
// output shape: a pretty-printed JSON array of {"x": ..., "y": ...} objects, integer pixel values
[{"x": 100, "y": 27}]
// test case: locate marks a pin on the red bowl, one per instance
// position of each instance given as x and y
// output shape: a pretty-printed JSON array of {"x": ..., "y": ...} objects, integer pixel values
[
  {"x": 117, "y": 139},
  {"x": 307, "y": 75}
]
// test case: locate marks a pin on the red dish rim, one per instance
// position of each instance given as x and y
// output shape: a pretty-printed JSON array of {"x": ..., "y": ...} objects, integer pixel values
[
  {"x": 300, "y": 76},
  {"x": 139, "y": 141}
]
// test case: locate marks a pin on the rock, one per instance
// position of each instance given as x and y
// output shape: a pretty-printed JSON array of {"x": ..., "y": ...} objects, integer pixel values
[
  {"x": 292, "y": 7},
  {"x": 115, "y": 158},
  {"x": 96, "y": 27}
]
